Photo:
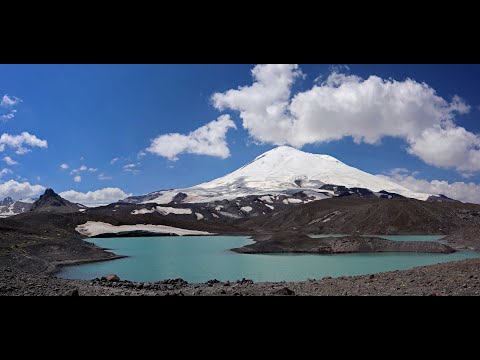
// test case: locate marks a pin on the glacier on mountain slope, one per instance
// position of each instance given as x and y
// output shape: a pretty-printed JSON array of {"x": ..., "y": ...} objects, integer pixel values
[{"x": 285, "y": 170}]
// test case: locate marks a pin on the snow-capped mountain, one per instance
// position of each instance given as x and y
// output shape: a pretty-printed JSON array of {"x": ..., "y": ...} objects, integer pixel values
[
  {"x": 9, "y": 207},
  {"x": 282, "y": 171}
]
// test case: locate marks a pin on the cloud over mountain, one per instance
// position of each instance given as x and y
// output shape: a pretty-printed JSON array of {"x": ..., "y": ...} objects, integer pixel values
[
  {"x": 102, "y": 196},
  {"x": 466, "y": 192},
  {"x": 349, "y": 106}
]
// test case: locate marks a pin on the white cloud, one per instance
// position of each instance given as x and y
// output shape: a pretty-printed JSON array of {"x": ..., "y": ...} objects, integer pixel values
[
  {"x": 7, "y": 116},
  {"x": 102, "y": 176},
  {"x": 348, "y": 106},
  {"x": 114, "y": 160},
  {"x": 8, "y": 101},
  {"x": 102, "y": 196},
  {"x": 209, "y": 139},
  {"x": 22, "y": 151},
  {"x": 9, "y": 160},
  {"x": 17, "y": 190},
  {"x": 64, "y": 166},
  {"x": 447, "y": 147},
  {"x": 19, "y": 141},
  {"x": 82, "y": 168},
  {"x": 466, "y": 192},
  {"x": 77, "y": 178},
  {"x": 130, "y": 166},
  {"x": 5, "y": 171},
  {"x": 141, "y": 154}
]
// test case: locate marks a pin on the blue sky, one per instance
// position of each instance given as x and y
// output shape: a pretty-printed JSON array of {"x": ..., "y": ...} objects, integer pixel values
[{"x": 91, "y": 114}]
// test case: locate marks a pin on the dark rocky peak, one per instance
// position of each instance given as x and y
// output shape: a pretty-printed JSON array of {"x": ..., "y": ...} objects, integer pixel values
[
  {"x": 52, "y": 202},
  {"x": 49, "y": 192},
  {"x": 7, "y": 201},
  {"x": 441, "y": 198}
]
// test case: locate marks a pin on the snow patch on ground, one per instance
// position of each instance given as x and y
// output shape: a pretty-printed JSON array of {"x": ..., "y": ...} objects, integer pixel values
[
  {"x": 94, "y": 205},
  {"x": 226, "y": 214},
  {"x": 267, "y": 199},
  {"x": 94, "y": 228},
  {"x": 269, "y": 206},
  {"x": 215, "y": 215},
  {"x": 219, "y": 207},
  {"x": 246, "y": 209},
  {"x": 199, "y": 216},
  {"x": 164, "y": 210},
  {"x": 164, "y": 198},
  {"x": 8, "y": 213},
  {"x": 295, "y": 201}
]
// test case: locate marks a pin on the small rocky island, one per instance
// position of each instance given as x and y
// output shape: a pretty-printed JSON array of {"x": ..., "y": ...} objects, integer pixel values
[{"x": 298, "y": 243}]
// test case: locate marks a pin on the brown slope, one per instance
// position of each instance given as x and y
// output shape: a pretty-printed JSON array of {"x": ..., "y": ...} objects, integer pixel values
[{"x": 351, "y": 215}]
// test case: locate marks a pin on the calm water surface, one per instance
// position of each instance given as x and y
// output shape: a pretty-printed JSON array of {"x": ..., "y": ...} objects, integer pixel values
[{"x": 201, "y": 258}]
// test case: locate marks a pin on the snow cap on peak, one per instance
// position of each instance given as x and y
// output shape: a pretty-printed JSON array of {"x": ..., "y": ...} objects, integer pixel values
[{"x": 285, "y": 150}]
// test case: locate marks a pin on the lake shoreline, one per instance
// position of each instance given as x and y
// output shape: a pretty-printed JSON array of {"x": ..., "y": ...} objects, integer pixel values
[
  {"x": 26, "y": 266},
  {"x": 446, "y": 279}
]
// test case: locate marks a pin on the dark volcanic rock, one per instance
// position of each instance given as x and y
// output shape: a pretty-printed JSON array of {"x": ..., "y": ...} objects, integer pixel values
[
  {"x": 284, "y": 291},
  {"x": 441, "y": 198},
  {"x": 73, "y": 292},
  {"x": 112, "y": 278},
  {"x": 390, "y": 195},
  {"x": 177, "y": 199},
  {"x": 52, "y": 202}
]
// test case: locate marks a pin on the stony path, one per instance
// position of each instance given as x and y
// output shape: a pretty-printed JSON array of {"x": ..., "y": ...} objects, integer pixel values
[{"x": 454, "y": 278}]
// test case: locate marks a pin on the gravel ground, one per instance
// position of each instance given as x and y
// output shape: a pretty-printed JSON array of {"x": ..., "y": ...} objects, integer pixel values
[{"x": 453, "y": 278}]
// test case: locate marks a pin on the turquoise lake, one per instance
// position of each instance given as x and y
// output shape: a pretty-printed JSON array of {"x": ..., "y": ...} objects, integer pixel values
[{"x": 201, "y": 258}]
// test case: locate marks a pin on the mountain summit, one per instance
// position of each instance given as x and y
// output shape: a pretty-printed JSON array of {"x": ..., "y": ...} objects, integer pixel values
[
  {"x": 283, "y": 170},
  {"x": 286, "y": 167},
  {"x": 50, "y": 201}
]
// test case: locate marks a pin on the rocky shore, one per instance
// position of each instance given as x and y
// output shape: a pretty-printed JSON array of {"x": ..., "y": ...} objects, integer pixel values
[{"x": 453, "y": 278}]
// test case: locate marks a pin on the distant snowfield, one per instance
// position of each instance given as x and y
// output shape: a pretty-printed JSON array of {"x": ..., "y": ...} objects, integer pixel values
[
  {"x": 94, "y": 205},
  {"x": 283, "y": 171},
  {"x": 94, "y": 228},
  {"x": 164, "y": 210},
  {"x": 8, "y": 213}
]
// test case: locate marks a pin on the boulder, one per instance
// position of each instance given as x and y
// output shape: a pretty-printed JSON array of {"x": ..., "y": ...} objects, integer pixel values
[
  {"x": 112, "y": 278},
  {"x": 284, "y": 291}
]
